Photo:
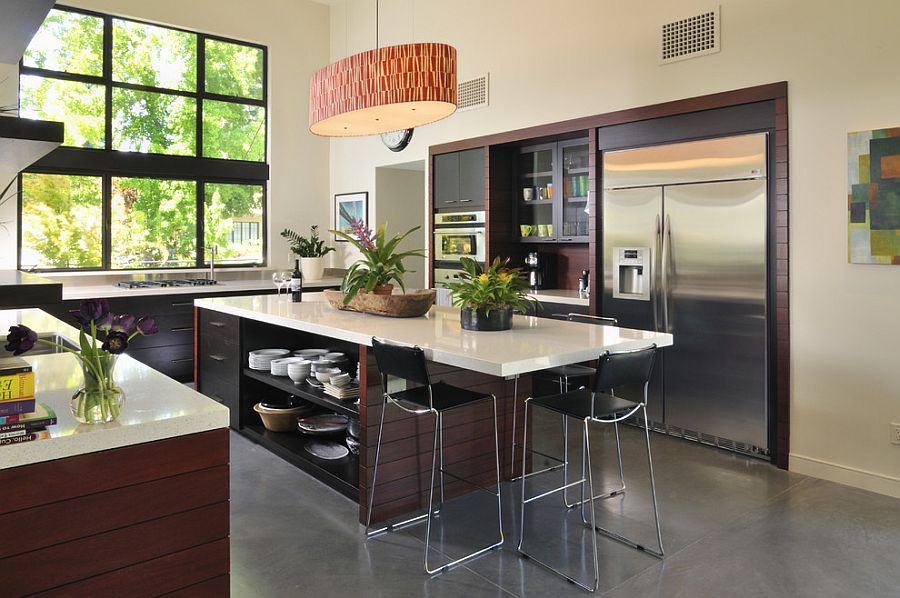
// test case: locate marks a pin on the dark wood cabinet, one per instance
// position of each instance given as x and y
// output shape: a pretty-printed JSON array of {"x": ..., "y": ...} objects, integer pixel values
[{"x": 458, "y": 179}]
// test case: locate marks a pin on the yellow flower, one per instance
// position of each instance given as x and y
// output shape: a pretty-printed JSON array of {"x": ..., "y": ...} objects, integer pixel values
[
  {"x": 505, "y": 276},
  {"x": 484, "y": 277}
]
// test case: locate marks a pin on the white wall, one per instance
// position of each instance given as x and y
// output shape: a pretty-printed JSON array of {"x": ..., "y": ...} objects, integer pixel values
[
  {"x": 401, "y": 193},
  {"x": 9, "y": 89},
  {"x": 296, "y": 33},
  {"x": 551, "y": 61}
]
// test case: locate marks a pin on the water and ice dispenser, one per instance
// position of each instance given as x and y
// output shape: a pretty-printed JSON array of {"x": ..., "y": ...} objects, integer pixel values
[{"x": 631, "y": 273}]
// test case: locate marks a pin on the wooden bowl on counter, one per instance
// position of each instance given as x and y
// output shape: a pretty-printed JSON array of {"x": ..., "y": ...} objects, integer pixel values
[{"x": 401, "y": 305}]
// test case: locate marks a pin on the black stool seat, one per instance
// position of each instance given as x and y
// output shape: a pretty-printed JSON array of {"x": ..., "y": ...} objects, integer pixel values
[
  {"x": 571, "y": 371},
  {"x": 577, "y": 404},
  {"x": 444, "y": 395}
]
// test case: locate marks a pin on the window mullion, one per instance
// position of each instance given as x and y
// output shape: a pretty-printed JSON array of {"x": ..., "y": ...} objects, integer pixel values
[
  {"x": 107, "y": 79},
  {"x": 201, "y": 90},
  {"x": 201, "y": 224},
  {"x": 106, "y": 236}
]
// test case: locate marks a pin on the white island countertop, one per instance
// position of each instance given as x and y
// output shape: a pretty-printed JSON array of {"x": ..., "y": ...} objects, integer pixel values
[
  {"x": 223, "y": 287},
  {"x": 533, "y": 343},
  {"x": 156, "y": 407},
  {"x": 561, "y": 296}
]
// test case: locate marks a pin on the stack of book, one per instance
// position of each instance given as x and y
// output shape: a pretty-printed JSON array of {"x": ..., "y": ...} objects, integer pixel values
[{"x": 21, "y": 418}]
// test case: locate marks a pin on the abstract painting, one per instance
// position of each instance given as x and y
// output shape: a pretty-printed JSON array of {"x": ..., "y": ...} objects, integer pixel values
[
  {"x": 873, "y": 196},
  {"x": 349, "y": 207}
]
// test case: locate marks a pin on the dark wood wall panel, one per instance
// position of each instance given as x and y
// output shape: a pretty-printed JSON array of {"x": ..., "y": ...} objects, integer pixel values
[
  {"x": 139, "y": 520},
  {"x": 782, "y": 292}
]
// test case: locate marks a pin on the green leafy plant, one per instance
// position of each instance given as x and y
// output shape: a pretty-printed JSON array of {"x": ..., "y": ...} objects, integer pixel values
[
  {"x": 379, "y": 265},
  {"x": 492, "y": 287},
  {"x": 311, "y": 246}
]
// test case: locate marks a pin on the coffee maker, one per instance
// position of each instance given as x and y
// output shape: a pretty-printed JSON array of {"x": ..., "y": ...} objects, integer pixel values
[{"x": 538, "y": 268}]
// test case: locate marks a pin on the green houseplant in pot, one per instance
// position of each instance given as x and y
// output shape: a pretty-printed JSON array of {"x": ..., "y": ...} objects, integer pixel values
[
  {"x": 380, "y": 266},
  {"x": 488, "y": 295},
  {"x": 311, "y": 250}
]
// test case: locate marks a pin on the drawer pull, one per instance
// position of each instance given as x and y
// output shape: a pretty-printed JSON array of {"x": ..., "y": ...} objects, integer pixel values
[
  {"x": 465, "y": 201},
  {"x": 183, "y": 329},
  {"x": 183, "y": 304},
  {"x": 217, "y": 358},
  {"x": 183, "y": 360},
  {"x": 217, "y": 324}
]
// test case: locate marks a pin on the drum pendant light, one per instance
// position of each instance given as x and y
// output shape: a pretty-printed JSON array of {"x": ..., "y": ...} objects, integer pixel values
[{"x": 383, "y": 90}]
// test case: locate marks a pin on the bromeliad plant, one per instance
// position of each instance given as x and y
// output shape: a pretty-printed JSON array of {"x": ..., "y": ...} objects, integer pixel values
[
  {"x": 379, "y": 266},
  {"x": 496, "y": 286},
  {"x": 102, "y": 337},
  {"x": 311, "y": 246}
]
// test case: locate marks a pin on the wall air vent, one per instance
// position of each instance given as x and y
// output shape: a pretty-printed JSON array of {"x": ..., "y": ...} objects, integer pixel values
[
  {"x": 691, "y": 37},
  {"x": 472, "y": 94}
]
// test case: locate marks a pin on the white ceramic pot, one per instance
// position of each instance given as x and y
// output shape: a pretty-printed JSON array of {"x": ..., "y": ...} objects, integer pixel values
[{"x": 313, "y": 268}]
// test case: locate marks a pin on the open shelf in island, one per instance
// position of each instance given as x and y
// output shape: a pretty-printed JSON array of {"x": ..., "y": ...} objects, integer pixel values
[
  {"x": 340, "y": 474},
  {"x": 305, "y": 391}
]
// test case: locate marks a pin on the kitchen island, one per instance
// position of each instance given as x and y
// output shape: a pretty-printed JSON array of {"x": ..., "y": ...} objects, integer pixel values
[
  {"x": 139, "y": 505},
  {"x": 490, "y": 362}
]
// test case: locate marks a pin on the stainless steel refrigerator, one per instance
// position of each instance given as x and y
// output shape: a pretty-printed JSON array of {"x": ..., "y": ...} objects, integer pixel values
[{"x": 684, "y": 250}]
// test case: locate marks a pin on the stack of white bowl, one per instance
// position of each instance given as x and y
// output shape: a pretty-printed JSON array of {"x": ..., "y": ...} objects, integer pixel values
[
  {"x": 298, "y": 371},
  {"x": 261, "y": 359},
  {"x": 310, "y": 354},
  {"x": 280, "y": 366},
  {"x": 340, "y": 379}
]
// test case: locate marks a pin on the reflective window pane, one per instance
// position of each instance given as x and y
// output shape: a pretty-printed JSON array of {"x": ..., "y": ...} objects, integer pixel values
[
  {"x": 233, "y": 222},
  {"x": 61, "y": 221},
  {"x": 234, "y": 131},
  {"x": 80, "y": 106},
  {"x": 153, "y": 223},
  {"x": 154, "y": 123},
  {"x": 154, "y": 56},
  {"x": 67, "y": 41},
  {"x": 234, "y": 69}
]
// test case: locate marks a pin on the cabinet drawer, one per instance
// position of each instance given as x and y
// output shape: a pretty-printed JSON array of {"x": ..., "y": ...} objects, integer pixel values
[
  {"x": 175, "y": 361},
  {"x": 219, "y": 361},
  {"x": 217, "y": 328},
  {"x": 225, "y": 392}
]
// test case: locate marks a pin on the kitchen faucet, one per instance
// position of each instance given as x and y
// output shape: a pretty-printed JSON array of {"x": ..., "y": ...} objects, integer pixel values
[{"x": 212, "y": 262}]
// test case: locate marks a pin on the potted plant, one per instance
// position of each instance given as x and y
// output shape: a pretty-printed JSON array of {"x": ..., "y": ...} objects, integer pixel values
[
  {"x": 103, "y": 337},
  {"x": 379, "y": 267},
  {"x": 311, "y": 250},
  {"x": 488, "y": 295}
]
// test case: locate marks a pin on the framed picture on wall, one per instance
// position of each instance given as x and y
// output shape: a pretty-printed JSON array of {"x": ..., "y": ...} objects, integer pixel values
[{"x": 349, "y": 207}]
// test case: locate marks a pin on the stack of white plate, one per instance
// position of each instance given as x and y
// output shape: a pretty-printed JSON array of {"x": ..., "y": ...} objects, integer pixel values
[
  {"x": 299, "y": 370},
  {"x": 261, "y": 359},
  {"x": 310, "y": 354},
  {"x": 279, "y": 367}
]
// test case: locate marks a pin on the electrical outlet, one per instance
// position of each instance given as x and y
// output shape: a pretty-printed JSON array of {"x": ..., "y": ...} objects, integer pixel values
[{"x": 895, "y": 433}]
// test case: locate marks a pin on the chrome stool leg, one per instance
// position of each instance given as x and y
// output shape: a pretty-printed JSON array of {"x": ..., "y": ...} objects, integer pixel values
[{"x": 441, "y": 440}]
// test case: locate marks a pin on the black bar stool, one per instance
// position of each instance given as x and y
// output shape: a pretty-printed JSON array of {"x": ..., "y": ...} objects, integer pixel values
[
  {"x": 429, "y": 398},
  {"x": 600, "y": 406}
]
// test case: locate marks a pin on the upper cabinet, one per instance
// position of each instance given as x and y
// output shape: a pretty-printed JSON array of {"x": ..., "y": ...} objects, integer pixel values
[
  {"x": 458, "y": 179},
  {"x": 552, "y": 192}
]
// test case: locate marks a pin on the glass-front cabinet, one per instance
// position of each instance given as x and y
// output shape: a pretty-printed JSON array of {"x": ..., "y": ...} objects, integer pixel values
[{"x": 552, "y": 193}]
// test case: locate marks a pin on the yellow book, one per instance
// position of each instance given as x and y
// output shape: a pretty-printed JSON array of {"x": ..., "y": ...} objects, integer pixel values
[{"x": 17, "y": 387}]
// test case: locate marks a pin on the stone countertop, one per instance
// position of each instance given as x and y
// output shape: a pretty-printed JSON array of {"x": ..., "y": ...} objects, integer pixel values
[
  {"x": 222, "y": 288},
  {"x": 22, "y": 289},
  {"x": 156, "y": 407},
  {"x": 563, "y": 296},
  {"x": 533, "y": 343}
]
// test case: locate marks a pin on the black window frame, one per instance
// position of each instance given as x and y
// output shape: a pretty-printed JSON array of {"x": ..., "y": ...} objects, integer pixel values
[{"x": 109, "y": 163}]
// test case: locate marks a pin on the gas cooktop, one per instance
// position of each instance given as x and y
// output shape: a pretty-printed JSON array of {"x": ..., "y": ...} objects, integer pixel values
[{"x": 169, "y": 282}]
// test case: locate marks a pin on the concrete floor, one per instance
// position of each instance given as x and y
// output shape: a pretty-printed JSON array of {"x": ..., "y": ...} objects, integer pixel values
[{"x": 732, "y": 526}]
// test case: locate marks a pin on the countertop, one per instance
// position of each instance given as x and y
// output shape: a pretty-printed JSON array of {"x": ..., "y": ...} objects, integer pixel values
[
  {"x": 223, "y": 287},
  {"x": 533, "y": 343},
  {"x": 22, "y": 289},
  {"x": 563, "y": 296},
  {"x": 156, "y": 407}
]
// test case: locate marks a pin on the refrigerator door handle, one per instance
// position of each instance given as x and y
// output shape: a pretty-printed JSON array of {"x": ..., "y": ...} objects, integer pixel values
[
  {"x": 664, "y": 267},
  {"x": 654, "y": 286}
]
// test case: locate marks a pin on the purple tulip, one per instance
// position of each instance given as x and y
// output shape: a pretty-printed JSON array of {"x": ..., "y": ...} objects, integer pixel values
[
  {"x": 91, "y": 310},
  {"x": 115, "y": 343},
  {"x": 105, "y": 323},
  {"x": 147, "y": 326},
  {"x": 124, "y": 323},
  {"x": 20, "y": 339}
]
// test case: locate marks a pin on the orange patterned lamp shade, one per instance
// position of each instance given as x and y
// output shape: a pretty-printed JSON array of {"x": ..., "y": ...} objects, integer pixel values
[{"x": 383, "y": 90}]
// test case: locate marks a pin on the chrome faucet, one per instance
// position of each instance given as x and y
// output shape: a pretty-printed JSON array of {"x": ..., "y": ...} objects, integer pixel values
[{"x": 212, "y": 261}]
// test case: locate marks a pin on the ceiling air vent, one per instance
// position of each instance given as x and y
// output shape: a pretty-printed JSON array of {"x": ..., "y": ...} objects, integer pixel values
[
  {"x": 472, "y": 94},
  {"x": 691, "y": 37}
]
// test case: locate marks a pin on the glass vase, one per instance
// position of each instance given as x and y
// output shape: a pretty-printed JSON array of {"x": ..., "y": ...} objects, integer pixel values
[{"x": 99, "y": 401}]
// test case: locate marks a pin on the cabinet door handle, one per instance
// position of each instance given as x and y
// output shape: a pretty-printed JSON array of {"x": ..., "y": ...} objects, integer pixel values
[
  {"x": 217, "y": 358},
  {"x": 449, "y": 201},
  {"x": 183, "y": 304},
  {"x": 183, "y": 329},
  {"x": 183, "y": 360},
  {"x": 568, "y": 239},
  {"x": 465, "y": 201},
  {"x": 217, "y": 324},
  {"x": 551, "y": 239}
]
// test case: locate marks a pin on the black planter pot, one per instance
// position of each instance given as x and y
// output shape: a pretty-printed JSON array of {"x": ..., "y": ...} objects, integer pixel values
[{"x": 499, "y": 318}]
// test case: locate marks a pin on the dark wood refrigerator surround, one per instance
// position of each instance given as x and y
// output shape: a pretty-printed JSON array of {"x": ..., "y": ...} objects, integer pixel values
[{"x": 499, "y": 198}]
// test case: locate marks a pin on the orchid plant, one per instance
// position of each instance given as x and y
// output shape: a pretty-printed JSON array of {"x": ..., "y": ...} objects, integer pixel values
[
  {"x": 102, "y": 336},
  {"x": 380, "y": 265}
]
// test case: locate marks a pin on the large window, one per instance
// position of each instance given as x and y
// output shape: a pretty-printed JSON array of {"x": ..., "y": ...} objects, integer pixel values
[{"x": 164, "y": 154}]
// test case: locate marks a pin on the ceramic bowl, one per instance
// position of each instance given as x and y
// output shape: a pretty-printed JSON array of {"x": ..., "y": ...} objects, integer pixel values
[
  {"x": 324, "y": 375},
  {"x": 311, "y": 354}
]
